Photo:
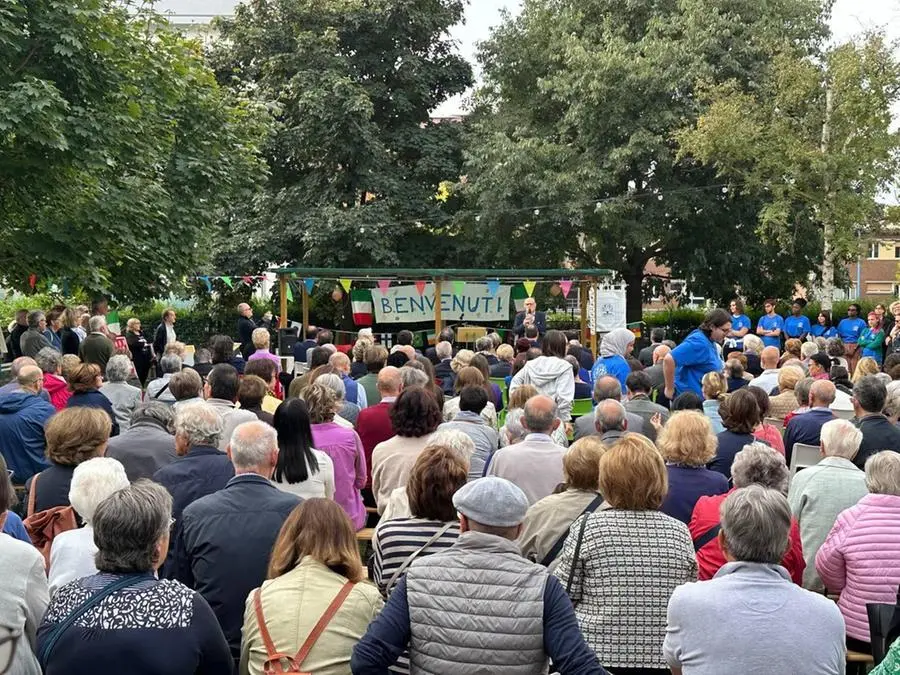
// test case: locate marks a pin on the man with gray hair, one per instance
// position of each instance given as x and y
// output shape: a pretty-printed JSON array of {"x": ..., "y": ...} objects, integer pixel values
[
  {"x": 353, "y": 393},
  {"x": 15, "y": 367},
  {"x": 610, "y": 421},
  {"x": 606, "y": 387},
  {"x": 201, "y": 468},
  {"x": 123, "y": 396},
  {"x": 517, "y": 615},
  {"x": 33, "y": 339},
  {"x": 819, "y": 493},
  {"x": 224, "y": 545},
  {"x": 23, "y": 415},
  {"x": 718, "y": 626},
  {"x": 485, "y": 346},
  {"x": 96, "y": 348},
  {"x": 221, "y": 392},
  {"x": 50, "y": 362},
  {"x": 534, "y": 464},
  {"x": 442, "y": 369},
  {"x": 148, "y": 444},
  {"x": 869, "y": 397},
  {"x": 805, "y": 427},
  {"x": 159, "y": 389}
]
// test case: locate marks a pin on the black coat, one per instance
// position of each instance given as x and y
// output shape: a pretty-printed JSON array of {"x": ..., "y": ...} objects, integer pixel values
[
  {"x": 160, "y": 337},
  {"x": 878, "y": 434},
  {"x": 70, "y": 341},
  {"x": 245, "y": 328}
]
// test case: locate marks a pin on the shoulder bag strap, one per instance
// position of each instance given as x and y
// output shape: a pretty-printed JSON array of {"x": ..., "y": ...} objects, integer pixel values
[
  {"x": 323, "y": 622},
  {"x": 558, "y": 546},
  {"x": 415, "y": 554},
  {"x": 273, "y": 656},
  {"x": 161, "y": 390},
  {"x": 81, "y": 610},
  {"x": 32, "y": 495},
  {"x": 577, "y": 552},
  {"x": 707, "y": 537}
]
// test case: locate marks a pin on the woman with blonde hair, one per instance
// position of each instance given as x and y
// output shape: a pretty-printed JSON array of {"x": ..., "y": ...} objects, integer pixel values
[
  {"x": 261, "y": 340},
  {"x": 620, "y": 565},
  {"x": 785, "y": 401},
  {"x": 68, "y": 335},
  {"x": 715, "y": 388},
  {"x": 866, "y": 366},
  {"x": 688, "y": 443},
  {"x": 358, "y": 367},
  {"x": 313, "y": 581}
]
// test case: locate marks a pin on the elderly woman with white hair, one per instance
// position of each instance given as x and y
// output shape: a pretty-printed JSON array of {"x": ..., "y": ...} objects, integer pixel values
[
  {"x": 755, "y": 464},
  {"x": 820, "y": 493},
  {"x": 72, "y": 554},
  {"x": 261, "y": 340},
  {"x": 347, "y": 413},
  {"x": 859, "y": 558},
  {"x": 753, "y": 346},
  {"x": 123, "y": 396},
  {"x": 158, "y": 389},
  {"x": 50, "y": 362}
]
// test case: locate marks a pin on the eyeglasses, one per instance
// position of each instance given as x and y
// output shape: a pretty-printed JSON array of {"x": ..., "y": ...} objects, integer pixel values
[
  {"x": 9, "y": 639},
  {"x": 171, "y": 523}
]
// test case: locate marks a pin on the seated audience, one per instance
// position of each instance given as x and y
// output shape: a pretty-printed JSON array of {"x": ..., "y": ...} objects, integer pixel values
[
  {"x": 23, "y": 414},
  {"x": 159, "y": 389},
  {"x": 374, "y": 423},
  {"x": 344, "y": 448},
  {"x": 740, "y": 415},
  {"x": 223, "y": 352},
  {"x": 620, "y": 583},
  {"x": 251, "y": 392},
  {"x": 54, "y": 384},
  {"x": 414, "y": 417},
  {"x": 806, "y": 428},
  {"x": 801, "y": 393},
  {"x": 546, "y": 525},
  {"x": 689, "y": 400},
  {"x": 503, "y": 367},
  {"x": 768, "y": 379},
  {"x": 869, "y": 397},
  {"x": 517, "y": 401},
  {"x": 161, "y": 625},
  {"x": 637, "y": 402},
  {"x": 535, "y": 463},
  {"x": 261, "y": 342},
  {"x": 469, "y": 376},
  {"x": 765, "y": 432},
  {"x": 85, "y": 382},
  {"x": 516, "y": 615},
  {"x": 315, "y": 562},
  {"x": 264, "y": 369},
  {"x": 550, "y": 373},
  {"x": 866, "y": 366},
  {"x": 74, "y": 435},
  {"x": 819, "y": 366},
  {"x": 607, "y": 387},
  {"x": 714, "y": 392},
  {"x": 819, "y": 493},
  {"x": 123, "y": 396},
  {"x": 756, "y": 464},
  {"x": 221, "y": 393},
  {"x": 149, "y": 443},
  {"x": 495, "y": 396},
  {"x": 301, "y": 469},
  {"x": 186, "y": 386},
  {"x": 858, "y": 558},
  {"x": 752, "y": 602},
  {"x": 753, "y": 346},
  {"x": 687, "y": 443},
  {"x": 583, "y": 390},
  {"x": 785, "y": 401},
  {"x": 610, "y": 421},
  {"x": 358, "y": 367},
  {"x": 73, "y": 552},
  {"x": 353, "y": 392},
  {"x": 224, "y": 544},
  {"x": 472, "y": 401}
]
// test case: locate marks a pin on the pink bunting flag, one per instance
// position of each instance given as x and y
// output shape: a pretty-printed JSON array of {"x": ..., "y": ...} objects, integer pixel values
[
  {"x": 566, "y": 286},
  {"x": 420, "y": 286},
  {"x": 383, "y": 284}
]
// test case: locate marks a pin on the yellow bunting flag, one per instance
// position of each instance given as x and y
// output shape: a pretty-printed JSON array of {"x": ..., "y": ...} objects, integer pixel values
[
  {"x": 346, "y": 283},
  {"x": 529, "y": 287}
]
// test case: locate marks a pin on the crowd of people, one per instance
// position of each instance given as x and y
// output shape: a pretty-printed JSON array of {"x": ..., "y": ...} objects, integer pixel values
[{"x": 727, "y": 504}]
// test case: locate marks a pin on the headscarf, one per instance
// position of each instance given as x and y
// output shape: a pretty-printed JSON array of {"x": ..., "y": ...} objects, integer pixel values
[{"x": 616, "y": 342}]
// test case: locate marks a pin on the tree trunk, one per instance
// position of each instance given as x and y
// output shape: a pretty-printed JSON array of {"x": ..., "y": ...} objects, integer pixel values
[
  {"x": 634, "y": 294},
  {"x": 828, "y": 231}
]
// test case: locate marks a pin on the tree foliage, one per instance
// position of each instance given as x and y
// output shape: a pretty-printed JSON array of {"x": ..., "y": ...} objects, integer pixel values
[
  {"x": 118, "y": 149},
  {"x": 355, "y": 162},
  {"x": 574, "y": 154},
  {"x": 815, "y": 137}
]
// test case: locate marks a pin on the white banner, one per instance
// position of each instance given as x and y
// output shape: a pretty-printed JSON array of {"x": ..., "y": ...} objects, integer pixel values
[
  {"x": 475, "y": 302},
  {"x": 606, "y": 308}
]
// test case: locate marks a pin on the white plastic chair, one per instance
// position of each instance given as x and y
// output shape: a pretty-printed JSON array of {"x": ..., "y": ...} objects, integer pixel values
[{"x": 804, "y": 456}]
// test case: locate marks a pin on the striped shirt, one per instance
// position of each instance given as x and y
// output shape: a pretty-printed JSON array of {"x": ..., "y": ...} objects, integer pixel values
[{"x": 395, "y": 540}]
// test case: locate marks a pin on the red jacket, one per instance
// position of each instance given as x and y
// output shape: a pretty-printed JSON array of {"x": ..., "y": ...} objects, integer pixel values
[
  {"x": 58, "y": 390},
  {"x": 710, "y": 558},
  {"x": 374, "y": 426}
]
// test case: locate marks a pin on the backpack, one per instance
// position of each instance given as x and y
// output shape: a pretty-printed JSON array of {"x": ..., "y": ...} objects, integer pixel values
[
  {"x": 43, "y": 526},
  {"x": 274, "y": 657}
]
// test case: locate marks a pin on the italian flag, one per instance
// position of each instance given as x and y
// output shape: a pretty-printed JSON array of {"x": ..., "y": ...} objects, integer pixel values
[
  {"x": 361, "y": 306},
  {"x": 518, "y": 295}
]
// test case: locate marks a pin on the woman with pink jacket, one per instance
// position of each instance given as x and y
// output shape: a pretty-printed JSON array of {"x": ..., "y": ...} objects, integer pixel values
[{"x": 860, "y": 559}]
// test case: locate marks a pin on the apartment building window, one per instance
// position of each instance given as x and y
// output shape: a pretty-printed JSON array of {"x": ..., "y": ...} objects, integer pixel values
[
  {"x": 879, "y": 287},
  {"x": 896, "y": 252},
  {"x": 874, "y": 249}
]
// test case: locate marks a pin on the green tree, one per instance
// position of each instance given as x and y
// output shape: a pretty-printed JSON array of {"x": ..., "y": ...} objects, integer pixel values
[
  {"x": 118, "y": 149},
  {"x": 573, "y": 154},
  {"x": 355, "y": 162},
  {"x": 816, "y": 138}
]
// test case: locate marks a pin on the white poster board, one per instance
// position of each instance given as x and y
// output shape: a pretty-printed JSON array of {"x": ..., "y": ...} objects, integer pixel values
[{"x": 606, "y": 308}]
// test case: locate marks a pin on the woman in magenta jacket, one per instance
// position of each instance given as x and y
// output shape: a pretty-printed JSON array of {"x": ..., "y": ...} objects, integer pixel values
[{"x": 860, "y": 559}]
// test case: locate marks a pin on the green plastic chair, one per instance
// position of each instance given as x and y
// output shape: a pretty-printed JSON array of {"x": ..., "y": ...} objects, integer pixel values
[
  {"x": 582, "y": 407},
  {"x": 501, "y": 382}
]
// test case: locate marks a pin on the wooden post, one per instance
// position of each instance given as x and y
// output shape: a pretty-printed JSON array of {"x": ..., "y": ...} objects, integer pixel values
[
  {"x": 437, "y": 307},
  {"x": 304, "y": 303},
  {"x": 282, "y": 288},
  {"x": 591, "y": 284},
  {"x": 583, "y": 296}
]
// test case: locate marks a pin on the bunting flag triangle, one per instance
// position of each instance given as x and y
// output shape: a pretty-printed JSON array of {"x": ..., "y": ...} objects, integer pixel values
[
  {"x": 517, "y": 295},
  {"x": 346, "y": 283},
  {"x": 32, "y": 280},
  {"x": 566, "y": 286},
  {"x": 227, "y": 281},
  {"x": 420, "y": 286},
  {"x": 383, "y": 284},
  {"x": 493, "y": 286},
  {"x": 247, "y": 279},
  {"x": 529, "y": 287},
  {"x": 459, "y": 287},
  {"x": 289, "y": 293},
  {"x": 205, "y": 280},
  {"x": 309, "y": 282}
]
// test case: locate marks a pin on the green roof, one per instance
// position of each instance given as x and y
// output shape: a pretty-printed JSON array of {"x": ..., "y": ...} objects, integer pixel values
[{"x": 416, "y": 274}]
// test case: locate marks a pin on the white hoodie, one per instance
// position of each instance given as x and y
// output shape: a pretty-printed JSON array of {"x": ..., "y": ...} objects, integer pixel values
[{"x": 553, "y": 377}]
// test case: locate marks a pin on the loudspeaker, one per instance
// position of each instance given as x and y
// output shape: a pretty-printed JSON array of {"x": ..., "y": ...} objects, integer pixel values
[{"x": 287, "y": 338}]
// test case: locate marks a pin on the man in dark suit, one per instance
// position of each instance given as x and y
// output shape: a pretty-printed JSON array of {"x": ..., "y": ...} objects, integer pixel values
[
  {"x": 446, "y": 335},
  {"x": 607, "y": 387},
  {"x": 443, "y": 371},
  {"x": 301, "y": 348},
  {"x": 657, "y": 335},
  {"x": 806, "y": 427},
  {"x": 530, "y": 317},
  {"x": 245, "y": 327},
  {"x": 869, "y": 397},
  {"x": 227, "y": 537}
]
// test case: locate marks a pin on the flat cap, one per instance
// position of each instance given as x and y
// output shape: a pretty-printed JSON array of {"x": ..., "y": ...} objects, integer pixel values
[{"x": 492, "y": 501}]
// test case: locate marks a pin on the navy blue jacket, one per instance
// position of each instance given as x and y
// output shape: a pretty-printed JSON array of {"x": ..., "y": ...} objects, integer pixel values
[
  {"x": 22, "y": 419},
  {"x": 300, "y": 349},
  {"x": 805, "y": 428},
  {"x": 730, "y": 444},
  {"x": 95, "y": 399},
  {"x": 202, "y": 471},
  {"x": 388, "y": 635},
  {"x": 540, "y": 322},
  {"x": 878, "y": 434},
  {"x": 225, "y": 543}
]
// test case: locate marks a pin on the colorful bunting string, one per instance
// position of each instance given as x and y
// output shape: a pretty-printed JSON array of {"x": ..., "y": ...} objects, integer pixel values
[
  {"x": 529, "y": 287},
  {"x": 566, "y": 286},
  {"x": 227, "y": 281},
  {"x": 309, "y": 282},
  {"x": 493, "y": 286},
  {"x": 346, "y": 283},
  {"x": 383, "y": 284},
  {"x": 459, "y": 287},
  {"x": 420, "y": 286}
]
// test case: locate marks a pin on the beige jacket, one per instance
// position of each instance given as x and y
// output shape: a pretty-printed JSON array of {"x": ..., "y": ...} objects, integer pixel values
[
  {"x": 292, "y": 605},
  {"x": 392, "y": 462},
  {"x": 549, "y": 519}
]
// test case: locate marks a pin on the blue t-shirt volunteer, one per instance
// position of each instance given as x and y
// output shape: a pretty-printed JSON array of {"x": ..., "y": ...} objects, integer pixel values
[
  {"x": 694, "y": 358},
  {"x": 738, "y": 322},
  {"x": 821, "y": 331},
  {"x": 849, "y": 329},
  {"x": 616, "y": 366},
  {"x": 796, "y": 326},
  {"x": 773, "y": 322}
]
